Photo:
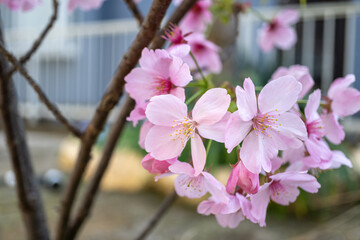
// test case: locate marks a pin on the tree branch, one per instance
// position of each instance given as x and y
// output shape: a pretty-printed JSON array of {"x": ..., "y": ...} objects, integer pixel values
[
  {"x": 92, "y": 189},
  {"x": 112, "y": 95},
  {"x": 42, "y": 96},
  {"x": 135, "y": 11},
  {"x": 27, "y": 188},
  {"x": 175, "y": 18},
  {"x": 38, "y": 41},
  {"x": 169, "y": 200}
]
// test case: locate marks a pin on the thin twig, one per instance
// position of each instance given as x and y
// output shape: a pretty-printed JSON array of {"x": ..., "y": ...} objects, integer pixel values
[
  {"x": 92, "y": 189},
  {"x": 28, "y": 194},
  {"x": 111, "y": 97},
  {"x": 169, "y": 200},
  {"x": 38, "y": 41},
  {"x": 135, "y": 11},
  {"x": 175, "y": 18},
  {"x": 42, "y": 96}
]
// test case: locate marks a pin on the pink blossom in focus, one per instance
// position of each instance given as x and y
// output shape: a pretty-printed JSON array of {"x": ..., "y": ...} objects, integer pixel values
[
  {"x": 198, "y": 17},
  {"x": 282, "y": 189},
  {"x": 264, "y": 122},
  {"x": 24, "y": 5},
  {"x": 138, "y": 113},
  {"x": 300, "y": 73},
  {"x": 193, "y": 185},
  {"x": 278, "y": 32},
  {"x": 246, "y": 180},
  {"x": 85, "y": 5},
  {"x": 205, "y": 52},
  {"x": 342, "y": 101},
  {"x": 159, "y": 73},
  {"x": 173, "y": 127},
  {"x": 228, "y": 215},
  {"x": 155, "y": 166}
]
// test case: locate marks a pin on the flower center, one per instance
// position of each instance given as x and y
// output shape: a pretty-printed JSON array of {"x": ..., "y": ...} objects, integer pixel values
[
  {"x": 162, "y": 86},
  {"x": 184, "y": 130},
  {"x": 263, "y": 123},
  {"x": 315, "y": 128},
  {"x": 277, "y": 189}
]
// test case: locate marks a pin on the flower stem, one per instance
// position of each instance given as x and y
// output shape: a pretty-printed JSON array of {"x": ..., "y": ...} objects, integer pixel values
[
  {"x": 194, "y": 96},
  {"x": 258, "y": 88},
  {"x": 198, "y": 67},
  {"x": 259, "y": 15},
  {"x": 208, "y": 146}
]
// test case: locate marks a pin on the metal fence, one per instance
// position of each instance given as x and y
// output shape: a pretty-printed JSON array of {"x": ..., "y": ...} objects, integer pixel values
[{"x": 76, "y": 62}]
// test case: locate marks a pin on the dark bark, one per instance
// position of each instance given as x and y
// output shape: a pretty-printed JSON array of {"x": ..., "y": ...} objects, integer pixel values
[
  {"x": 112, "y": 95},
  {"x": 27, "y": 188}
]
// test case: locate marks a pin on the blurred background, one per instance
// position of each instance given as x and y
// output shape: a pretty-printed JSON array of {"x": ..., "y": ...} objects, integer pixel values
[{"x": 75, "y": 64}]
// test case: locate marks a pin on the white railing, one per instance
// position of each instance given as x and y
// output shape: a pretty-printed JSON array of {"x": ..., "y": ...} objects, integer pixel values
[{"x": 76, "y": 62}]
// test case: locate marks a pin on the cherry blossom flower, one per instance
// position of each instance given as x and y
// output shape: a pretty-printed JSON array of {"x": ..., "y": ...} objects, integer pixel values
[
  {"x": 246, "y": 180},
  {"x": 205, "y": 52},
  {"x": 138, "y": 113},
  {"x": 193, "y": 185},
  {"x": 155, "y": 166},
  {"x": 197, "y": 19},
  {"x": 278, "y": 32},
  {"x": 342, "y": 101},
  {"x": 159, "y": 73},
  {"x": 282, "y": 189},
  {"x": 85, "y": 5},
  {"x": 173, "y": 127},
  {"x": 24, "y": 5},
  {"x": 227, "y": 214},
  {"x": 300, "y": 73},
  {"x": 264, "y": 122},
  {"x": 145, "y": 128}
]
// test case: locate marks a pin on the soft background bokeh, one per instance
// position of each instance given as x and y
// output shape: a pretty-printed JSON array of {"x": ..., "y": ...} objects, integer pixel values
[{"x": 75, "y": 64}]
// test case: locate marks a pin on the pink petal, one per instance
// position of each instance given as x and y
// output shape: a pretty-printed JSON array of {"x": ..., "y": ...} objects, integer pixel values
[
  {"x": 233, "y": 179},
  {"x": 259, "y": 203},
  {"x": 285, "y": 37},
  {"x": 139, "y": 85},
  {"x": 334, "y": 132},
  {"x": 346, "y": 102},
  {"x": 338, "y": 159},
  {"x": 288, "y": 17},
  {"x": 283, "y": 194},
  {"x": 279, "y": 95},
  {"x": 163, "y": 110},
  {"x": 198, "y": 154},
  {"x": 179, "y": 50},
  {"x": 161, "y": 145},
  {"x": 150, "y": 61},
  {"x": 138, "y": 113},
  {"x": 339, "y": 84},
  {"x": 215, "y": 131},
  {"x": 256, "y": 153},
  {"x": 247, "y": 181},
  {"x": 182, "y": 168},
  {"x": 246, "y": 100},
  {"x": 155, "y": 166},
  {"x": 312, "y": 106},
  {"x": 211, "y": 107},
  {"x": 298, "y": 179},
  {"x": 236, "y": 131},
  {"x": 318, "y": 149},
  {"x": 178, "y": 92},
  {"x": 266, "y": 38},
  {"x": 216, "y": 189},
  {"x": 145, "y": 128},
  {"x": 231, "y": 220},
  {"x": 179, "y": 72},
  {"x": 191, "y": 187}
]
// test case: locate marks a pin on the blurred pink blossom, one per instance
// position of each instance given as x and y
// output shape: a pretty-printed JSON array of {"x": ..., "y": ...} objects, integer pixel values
[
  {"x": 342, "y": 101},
  {"x": 278, "y": 32},
  {"x": 24, "y": 5},
  {"x": 300, "y": 73},
  {"x": 85, "y": 5},
  {"x": 197, "y": 18}
]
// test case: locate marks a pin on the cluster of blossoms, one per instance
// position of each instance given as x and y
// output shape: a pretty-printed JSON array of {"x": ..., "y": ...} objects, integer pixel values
[
  {"x": 278, "y": 144},
  {"x": 26, "y": 5}
]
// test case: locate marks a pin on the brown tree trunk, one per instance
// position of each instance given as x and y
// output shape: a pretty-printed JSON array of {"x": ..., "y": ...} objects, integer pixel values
[{"x": 29, "y": 198}]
